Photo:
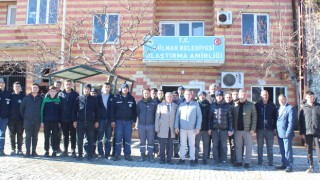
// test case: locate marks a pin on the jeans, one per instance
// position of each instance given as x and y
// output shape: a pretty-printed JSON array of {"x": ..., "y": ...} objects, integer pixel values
[
  {"x": 94, "y": 145},
  {"x": 85, "y": 128},
  {"x": 285, "y": 145},
  {"x": 51, "y": 129},
  {"x": 3, "y": 128},
  {"x": 68, "y": 130},
  {"x": 187, "y": 136},
  {"x": 32, "y": 131},
  {"x": 268, "y": 136},
  {"x": 16, "y": 129},
  {"x": 205, "y": 140},
  {"x": 309, "y": 141},
  {"x": 222, "y": 137},
  {"x": 243, "y": 138},
  {"x": 146, "y": 133},
  {"x": 105, "y": 130},
  {"x": 123, "y": 131},
  {"x": 166, "y": 148}
]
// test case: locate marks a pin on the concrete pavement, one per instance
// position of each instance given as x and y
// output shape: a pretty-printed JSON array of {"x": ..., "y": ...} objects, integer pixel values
[{"x": 15, "y": 167}]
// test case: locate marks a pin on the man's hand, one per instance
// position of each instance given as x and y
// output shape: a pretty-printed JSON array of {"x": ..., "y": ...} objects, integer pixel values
[
  {"x": 113, "y": 125},
  {"x": 303, "y": 136},
  {"x": 197, "y": 131},
  {"x": 252, "y": 132},
  {"x": 230, "y": 133},
  {"x": 96, "y": 125},
  {"x": 59, "y": 125},
  {"x": 209, "y": 131},
  {"x": 75, "y": 125},
  {"x": 177, "y": 131},
  {"x": 133, "y": 124},
  {"x": 275, "y": 132},
  {"x": 41, "y": 125}
]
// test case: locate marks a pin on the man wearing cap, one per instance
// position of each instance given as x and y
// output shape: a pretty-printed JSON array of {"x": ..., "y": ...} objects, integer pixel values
[
  {"x": 86, "y": 119},
  {"x": 220, "y": 126},
  {"x": 188, "y": 124},
  {"x": 4, "y": 113},
  {"x": 245, "y": 123},
  {"x": 205, "y": 109},
  {"x": 123, "y": 117}
]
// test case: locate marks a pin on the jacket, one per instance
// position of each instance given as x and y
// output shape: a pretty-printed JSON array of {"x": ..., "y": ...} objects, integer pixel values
[
  {"x": 50, "y": 109},
  {"x": 67, "y": 102},
  {"x": 220, "y": 116},
  {"x": 15, "y": 102},
  {"x": 309, "y": 119},
  {"x": 266, "y": 115},
  {"x": 205, "y": 111},
  {"x": 249, "y": 116},
  {"x": 30, "y": 109},
  {"x": 146, "y": 111},
  {"x": 105, "y": 113},
  {"x": 124, "y": 108},
  {"x": 285, "y": 121},
  {"x": 165, "y": 120},
  {"x": 86, "y": 109},
  {"x": 188, "y": 116},
  {"x": 211, "y": 98},
  {"x": 4, "y": 103}
]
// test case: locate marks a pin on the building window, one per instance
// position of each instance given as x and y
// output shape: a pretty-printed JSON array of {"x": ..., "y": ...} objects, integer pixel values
[
  {"x": 255, "y": 29},
  {"x": 11, "y": 16},
  {"x": 12, "y": 72},
  {"x": 42, "y": 12},
  {"x": 274, "y": 92},
  {"x": 105, "y": 28},
  {"x": 185, "y": 28}
]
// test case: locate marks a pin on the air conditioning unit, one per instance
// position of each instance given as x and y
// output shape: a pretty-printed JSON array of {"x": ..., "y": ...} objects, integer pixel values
[
  {"x": 224, "y": 18},
  {"x": 232, "y": 79}
]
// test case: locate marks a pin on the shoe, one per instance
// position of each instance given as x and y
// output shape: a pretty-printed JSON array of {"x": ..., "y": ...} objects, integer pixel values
[
  {"x": 74, "y": 154},
  {"x": 46, "y": 154},
  {"x": 237, "y": 164},
  {"x": 13, "y": 153},
  {"x": 128, "y": 158},
  {"x": 192, "y": 163},
  {"x": 142, "y": 158},
  {"x": 270, "y": 164},
  {"x": 116, "y": 158},
  {"x": 196, "y": 161},
  {"x": 246, "y": 165},
  {"x": 180, "y": 162},
  {"x": 20, "y": 153},
  {"x": 64, "y": 154},
  {"x": 85, "y": 155},
  {"x": 54, "y": 154},
  {"x": 310, "y": 170},
  {"x": 89, "y": 157},
  {"x": 204, "y": 162},
  {"x": 259, "y": 164},
  {"x": 176, "y": 155},
  {"x": 2, "y": 153},
  {"x": 27, "y": 155},
  {"x": 106, "y": 157},
  {"x": 80, "y": 158},
  {"x": 94, "y": 155},
  {"x": 156, "y": 155},
  {"x": 162, "y": 162},
  {"x": 170, "y": 162},
  {"x": 282, "y": 167},
  {"x": 59, "y": 151},
  {"x": 34, "y": 154},
  {"x": 288, "y": 170},
  {"x": 151, "y": 159}
]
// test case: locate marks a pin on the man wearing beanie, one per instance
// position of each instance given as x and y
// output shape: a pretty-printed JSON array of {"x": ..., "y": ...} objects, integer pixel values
[
  {"x": 146, "y": 111},
  {"x": 86, "y": 119},
  {"x": 123, "y": 117},
  {"x": 220, "y": 126},
  {"x": 205, "y": 107}
]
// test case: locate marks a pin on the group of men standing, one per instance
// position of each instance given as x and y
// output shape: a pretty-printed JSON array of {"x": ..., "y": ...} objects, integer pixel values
[{"x": 165, "y": 121}]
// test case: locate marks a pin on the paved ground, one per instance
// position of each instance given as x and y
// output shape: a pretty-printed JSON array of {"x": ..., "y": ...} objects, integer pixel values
[{"x": 14, "y": 167}]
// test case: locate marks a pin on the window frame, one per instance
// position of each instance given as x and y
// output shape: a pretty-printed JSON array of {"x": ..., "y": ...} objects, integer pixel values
[
  {"x": 177, "y": 27},
  {"x": 275, "y": 98},
  {"x": 9, "y": 13},
  {"x": 38, "y": 10},
  {"x": 255, "y": 29},
  {"x": 106, "y": 29}
]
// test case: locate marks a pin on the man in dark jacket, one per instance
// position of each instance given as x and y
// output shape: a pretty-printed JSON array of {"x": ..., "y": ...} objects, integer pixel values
[
  {"x": 15, "y": 123},
  {"x": 30, "y": 110},
  {"x": 266, "y": 125},
  {"x": 105, "y": 130},
  {"x": 124, "y": 117},
  {"x": 220, "y": 126},
  {"x": 86, "y": 119},
  {"x": 310, "y": 127},
  {"x": 50, "y": 120},
  {"x": 205, "y": 109},
  {"x": 146, "y": 112},
  {"x": 4, "y": 114},
  {"x": 68, "y": 98}
]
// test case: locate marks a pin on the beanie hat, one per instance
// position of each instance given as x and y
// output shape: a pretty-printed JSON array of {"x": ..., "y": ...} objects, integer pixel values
[{"x": 202, "y": 93}]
